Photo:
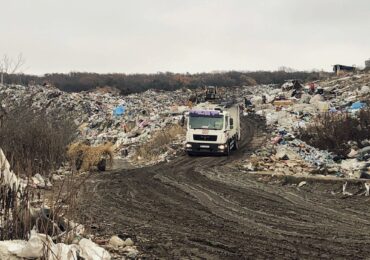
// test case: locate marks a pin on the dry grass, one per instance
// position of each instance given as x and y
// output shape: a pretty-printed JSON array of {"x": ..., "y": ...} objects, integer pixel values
[
  {"x": 35, "y": 141},
  {"x": 333, "y": 131},
  {"x": 159, "y": 142},
  {"x": 85, "y": 157}
]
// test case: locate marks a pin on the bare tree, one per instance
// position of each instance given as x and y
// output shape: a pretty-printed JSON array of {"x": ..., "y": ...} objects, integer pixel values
[
  {"x": 286, "y": 69},
  {"x": 11, "y": 66}
]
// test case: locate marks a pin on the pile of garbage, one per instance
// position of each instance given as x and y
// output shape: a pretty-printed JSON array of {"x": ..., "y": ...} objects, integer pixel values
[
  {"x": 71, "y": 236},
  {"x": 103, "y": 116},
  {"x": 41, "y": 246},
  {"x": 291, "y": 107},
  {"x": 8, "y": 178},
  {"x": 130, "y": 122}
]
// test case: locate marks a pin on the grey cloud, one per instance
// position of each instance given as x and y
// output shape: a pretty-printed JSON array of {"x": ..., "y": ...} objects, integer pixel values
[{"x": 180, "y": 36}]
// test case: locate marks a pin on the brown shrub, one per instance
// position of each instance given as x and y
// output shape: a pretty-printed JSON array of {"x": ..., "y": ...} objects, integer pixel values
[
  {"x": 159, "y": 142},
  {"x": 35, "y": 141},
  {"x": 333, "y": 131}
]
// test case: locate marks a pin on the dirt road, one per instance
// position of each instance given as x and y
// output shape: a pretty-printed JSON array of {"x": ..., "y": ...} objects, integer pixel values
[{"x": 198, "y": 208}]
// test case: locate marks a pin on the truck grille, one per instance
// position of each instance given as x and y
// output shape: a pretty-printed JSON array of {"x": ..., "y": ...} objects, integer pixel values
[{"x": 205, "y": 137}]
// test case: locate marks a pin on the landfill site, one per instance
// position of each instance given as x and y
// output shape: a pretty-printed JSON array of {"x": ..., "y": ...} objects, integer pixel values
[{"x": 277, "y": 171}]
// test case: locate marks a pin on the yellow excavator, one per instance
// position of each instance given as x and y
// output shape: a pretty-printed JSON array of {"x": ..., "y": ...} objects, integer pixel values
[{"x": 211, "y": 94}]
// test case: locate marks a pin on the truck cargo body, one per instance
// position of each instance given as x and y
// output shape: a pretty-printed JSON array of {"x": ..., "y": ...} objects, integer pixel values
[{"x": 213, "y": 129}]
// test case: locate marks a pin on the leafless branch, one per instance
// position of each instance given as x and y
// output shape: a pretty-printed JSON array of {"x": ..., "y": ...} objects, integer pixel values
[
  {"x": 18, "y": 64},
  {"x": 11, "y": 66}
]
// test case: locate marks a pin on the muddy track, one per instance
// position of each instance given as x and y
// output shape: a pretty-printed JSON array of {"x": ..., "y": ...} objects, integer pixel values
[{"x": 198, "y": 208}]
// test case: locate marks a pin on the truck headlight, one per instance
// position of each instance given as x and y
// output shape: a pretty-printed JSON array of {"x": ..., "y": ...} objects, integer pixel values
[
  {"x": 188, "y": 145},
  {"x": 221, "y": 147}
]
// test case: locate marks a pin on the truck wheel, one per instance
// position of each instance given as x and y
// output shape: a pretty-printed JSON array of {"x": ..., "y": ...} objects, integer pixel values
[
  {"x": 227, "y": 152},
  {"x": 236, "y": 144}
]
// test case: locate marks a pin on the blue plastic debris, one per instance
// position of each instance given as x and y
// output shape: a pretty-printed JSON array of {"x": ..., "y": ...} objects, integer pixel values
[
  {"x": 119, "y": 110},
  {"x": 357, "y": 105}
]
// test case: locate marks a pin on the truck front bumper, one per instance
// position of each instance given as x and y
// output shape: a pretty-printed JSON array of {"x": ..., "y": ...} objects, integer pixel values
[{"x": 205, "y": 148}]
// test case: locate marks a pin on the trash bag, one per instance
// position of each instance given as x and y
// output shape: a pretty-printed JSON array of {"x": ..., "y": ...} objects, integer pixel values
[
  {"x": 8, "y": 177},
  {"x": 102, "y": 165},
  {"x": 119, "y": 111},
  {"x": 63, "y": 252},
  {"x": 40, "y": 245},
  {"x": 7, "y": 247},
  {"x": 91, "y": 251},
  {"x": 34, "y": 247},
  {"x": 357, "y": 105}
]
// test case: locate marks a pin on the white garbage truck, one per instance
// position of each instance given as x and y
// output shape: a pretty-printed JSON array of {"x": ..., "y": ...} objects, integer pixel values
[{"x": 213, "y": 128}]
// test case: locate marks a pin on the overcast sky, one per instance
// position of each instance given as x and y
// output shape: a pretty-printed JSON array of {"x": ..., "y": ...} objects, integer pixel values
[{"x": 148, "y": 36}]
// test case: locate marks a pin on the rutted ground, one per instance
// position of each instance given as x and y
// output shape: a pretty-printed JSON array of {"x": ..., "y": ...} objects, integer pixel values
[{"x": 198, "y": 207}]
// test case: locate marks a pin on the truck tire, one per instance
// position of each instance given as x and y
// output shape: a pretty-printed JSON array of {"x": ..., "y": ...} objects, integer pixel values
[
  {"x": 236, "y": 144},
  {"x": 190, "y": 154},
  {"x": 227, "y": 152}
]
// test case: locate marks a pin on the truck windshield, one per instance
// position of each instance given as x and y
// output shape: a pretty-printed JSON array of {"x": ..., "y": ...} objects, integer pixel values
[{"x": 206, "y": 122}]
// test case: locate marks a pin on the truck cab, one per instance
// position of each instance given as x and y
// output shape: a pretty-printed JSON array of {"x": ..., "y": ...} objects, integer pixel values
[{"x": 212, "y": 129}]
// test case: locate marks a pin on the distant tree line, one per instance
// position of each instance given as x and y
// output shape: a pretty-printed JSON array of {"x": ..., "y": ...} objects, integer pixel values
[{"x": 133, "y": 83}]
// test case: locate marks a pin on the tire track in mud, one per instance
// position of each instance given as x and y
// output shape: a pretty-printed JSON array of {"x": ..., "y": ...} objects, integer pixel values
[{"x": 199, "y": 208}]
